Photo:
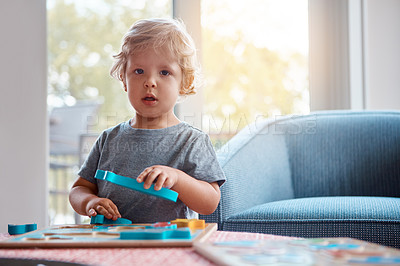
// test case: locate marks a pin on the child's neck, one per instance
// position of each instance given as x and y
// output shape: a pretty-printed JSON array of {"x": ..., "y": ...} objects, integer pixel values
[{"x": 154, "y": 123}]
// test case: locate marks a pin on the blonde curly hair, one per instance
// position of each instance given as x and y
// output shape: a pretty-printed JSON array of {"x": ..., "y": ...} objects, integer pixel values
[{"x": 159, "y": 33}]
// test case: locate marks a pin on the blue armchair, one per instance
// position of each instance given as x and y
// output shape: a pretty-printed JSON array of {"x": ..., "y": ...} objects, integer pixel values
[{"x": 327, "y": 174}]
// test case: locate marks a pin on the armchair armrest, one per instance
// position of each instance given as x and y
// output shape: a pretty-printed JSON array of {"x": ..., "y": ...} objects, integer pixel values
[{"x": 257, "y": 168}]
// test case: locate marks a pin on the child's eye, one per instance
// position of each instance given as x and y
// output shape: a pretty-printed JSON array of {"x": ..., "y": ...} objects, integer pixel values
[
  {"x": 164, "y": 72},
  {"x": 139, "y": 71}
]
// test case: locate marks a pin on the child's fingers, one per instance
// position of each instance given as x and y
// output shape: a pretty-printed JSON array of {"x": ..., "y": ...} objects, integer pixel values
[
  {"x": 92, "y": 212},
  {"x": 143, "y": 174},
  {"x": 107, "y": 211},
  {"x": 151, "y": 176},
  {"x": 104, "y": 207},
  {"x": 103, "y": 211},
  {"x": 116, "y": 211},
  {"x": 168, "y": 183},
  {"x": 161, "y": 179}
]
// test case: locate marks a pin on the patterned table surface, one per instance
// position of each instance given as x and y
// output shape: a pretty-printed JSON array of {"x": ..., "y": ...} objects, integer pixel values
[{"x": 129, "y": 256}]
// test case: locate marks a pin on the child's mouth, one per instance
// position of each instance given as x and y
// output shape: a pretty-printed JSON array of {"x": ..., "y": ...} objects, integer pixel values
[{"x": 149, "y": 100}]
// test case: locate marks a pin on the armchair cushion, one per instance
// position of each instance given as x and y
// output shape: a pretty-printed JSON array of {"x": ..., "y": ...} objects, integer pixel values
[{"x": 370, "y": 218}]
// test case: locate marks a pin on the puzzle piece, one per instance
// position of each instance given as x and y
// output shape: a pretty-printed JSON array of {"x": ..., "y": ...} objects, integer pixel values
[
  {"x": 17, "y": 229},
  {"x": 100, "y": 219},
  {"x": 193, "y": 224},
  {"x": 344, "y": 246},
  {"x": 156, "y": 234},
  {"x": 166, "y": 225},
  {"x": 133, "y": 184}
]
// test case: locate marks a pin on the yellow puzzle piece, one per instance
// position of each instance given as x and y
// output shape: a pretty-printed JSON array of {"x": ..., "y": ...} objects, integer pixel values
[{"x": 193, "y": 224}]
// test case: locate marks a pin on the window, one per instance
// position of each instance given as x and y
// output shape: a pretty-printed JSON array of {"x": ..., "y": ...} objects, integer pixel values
[{"x": 255, "y": 62}]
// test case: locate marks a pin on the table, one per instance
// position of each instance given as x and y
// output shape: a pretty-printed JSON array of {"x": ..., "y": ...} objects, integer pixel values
[{"x": 130, "y": 256}]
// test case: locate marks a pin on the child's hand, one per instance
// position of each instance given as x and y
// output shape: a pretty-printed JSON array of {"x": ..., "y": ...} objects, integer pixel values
[
  {"x": 166, "y": 177},
  {"x": 102, "y": 206}
]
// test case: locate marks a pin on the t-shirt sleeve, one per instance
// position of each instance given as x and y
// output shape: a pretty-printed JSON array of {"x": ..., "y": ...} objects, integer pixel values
[
  {"x": 201, "y": 161},
  {"x": 89, "y": 167}
]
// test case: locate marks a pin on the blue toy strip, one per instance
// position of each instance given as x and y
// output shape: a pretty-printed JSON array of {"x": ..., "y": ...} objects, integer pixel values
[
  {"x": 145, "y": 234},
  {"x": 18, "y": 229},
  {"x": 133, "y": 184},
  {"x": 100, "y": 219}
]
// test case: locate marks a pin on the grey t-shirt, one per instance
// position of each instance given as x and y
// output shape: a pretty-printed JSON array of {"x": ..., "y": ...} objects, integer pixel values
[{"x": 127, "y": 151}]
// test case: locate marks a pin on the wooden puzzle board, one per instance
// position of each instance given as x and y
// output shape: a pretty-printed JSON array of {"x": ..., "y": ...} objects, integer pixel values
[
  {"x": 99, "y": 236},
  {"x": 326, "y": 251}
]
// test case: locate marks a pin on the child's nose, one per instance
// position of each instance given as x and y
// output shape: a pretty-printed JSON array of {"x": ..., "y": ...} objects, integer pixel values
[{"x": 150, "y": 82}]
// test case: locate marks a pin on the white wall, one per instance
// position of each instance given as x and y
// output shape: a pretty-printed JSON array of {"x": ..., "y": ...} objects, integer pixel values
[
  {"x": 354, "y": 54},
  {"x": 383, "y": 54},
  {"x": 23, "y": 119}
]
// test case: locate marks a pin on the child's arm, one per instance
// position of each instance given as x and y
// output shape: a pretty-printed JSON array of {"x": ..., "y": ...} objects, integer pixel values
[
  {"x": 84, "y": 200},
  {"x": 200, "y": 196}
]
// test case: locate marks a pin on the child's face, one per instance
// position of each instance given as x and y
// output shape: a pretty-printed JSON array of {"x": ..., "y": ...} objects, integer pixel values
[{"x": 153, "y": 80}]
